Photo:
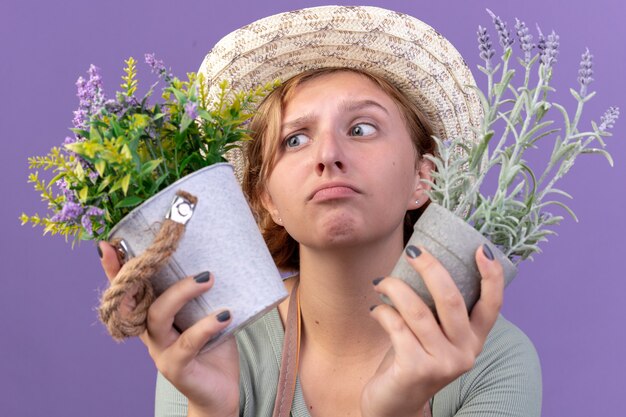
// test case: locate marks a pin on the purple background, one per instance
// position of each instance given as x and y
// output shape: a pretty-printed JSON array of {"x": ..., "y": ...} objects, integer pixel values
[{"x": 56, "y": 359}]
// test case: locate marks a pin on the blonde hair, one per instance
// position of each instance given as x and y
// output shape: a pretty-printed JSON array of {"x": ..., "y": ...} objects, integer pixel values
[{"x": 261, "y": 154}]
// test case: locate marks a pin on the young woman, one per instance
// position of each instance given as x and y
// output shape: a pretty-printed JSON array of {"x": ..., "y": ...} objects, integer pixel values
[{"x": 335, "y": 176}]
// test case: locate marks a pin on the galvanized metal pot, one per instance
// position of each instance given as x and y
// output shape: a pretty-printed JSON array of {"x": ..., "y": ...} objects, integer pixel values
[
  {"x": 453, "y": 242},
  {"x": 220, "y": 236}
]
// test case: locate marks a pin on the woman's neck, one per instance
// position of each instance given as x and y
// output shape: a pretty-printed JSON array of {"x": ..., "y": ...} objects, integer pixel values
[{"x": 336, "y": 293}]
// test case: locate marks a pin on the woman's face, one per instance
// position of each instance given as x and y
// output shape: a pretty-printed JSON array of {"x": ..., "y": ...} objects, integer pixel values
[{"x": 346, "y": 171}]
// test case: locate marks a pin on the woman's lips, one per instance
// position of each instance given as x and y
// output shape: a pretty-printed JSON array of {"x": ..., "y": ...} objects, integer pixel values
[{"x": 333, "y": 192}]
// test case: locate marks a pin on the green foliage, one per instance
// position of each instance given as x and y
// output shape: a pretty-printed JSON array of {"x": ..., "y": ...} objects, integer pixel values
[{"x": 131, "y": 150}]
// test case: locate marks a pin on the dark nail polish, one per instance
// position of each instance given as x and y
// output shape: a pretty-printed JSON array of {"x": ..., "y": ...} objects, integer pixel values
[
  {"x": 202, "y": 277},
  {"x": 373, "y": 307},
  {"x": 488, "y": 253},
  {"x": 223, "y": 316},
  {"x": 413, "y": 251},
  {"x": 377, "y": 280},
  {"x": 99, "y": 251}
]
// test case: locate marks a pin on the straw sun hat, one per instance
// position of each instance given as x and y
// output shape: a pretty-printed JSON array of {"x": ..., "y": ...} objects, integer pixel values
[{"x": 400, "y": 48}]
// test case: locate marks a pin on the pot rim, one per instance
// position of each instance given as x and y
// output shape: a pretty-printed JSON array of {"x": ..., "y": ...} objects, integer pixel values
[
  {"x": 177, "y": 183},
  {"x": 458, "y": 221}
]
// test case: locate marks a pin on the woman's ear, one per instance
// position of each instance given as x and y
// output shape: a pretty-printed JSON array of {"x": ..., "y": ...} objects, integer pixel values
[
  {"x": 423, "y": 173},
  {"x": 268, "y": 204}
]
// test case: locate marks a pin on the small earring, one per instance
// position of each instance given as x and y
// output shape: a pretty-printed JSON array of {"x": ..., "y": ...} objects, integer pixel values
[
  {"x": 417, "y": 202},
  {"x": 280, "y": 220}
]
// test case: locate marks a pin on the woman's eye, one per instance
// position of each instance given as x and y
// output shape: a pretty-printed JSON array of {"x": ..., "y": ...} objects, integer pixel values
[
  {"x": 296, "y": 140},
  {"x": 362, "y": 129}
]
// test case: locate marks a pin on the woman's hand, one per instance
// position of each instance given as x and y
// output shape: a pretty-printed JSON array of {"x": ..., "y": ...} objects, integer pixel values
[
  {"x": 427, "y": 355},
  {"x": 209, "y": 380}
]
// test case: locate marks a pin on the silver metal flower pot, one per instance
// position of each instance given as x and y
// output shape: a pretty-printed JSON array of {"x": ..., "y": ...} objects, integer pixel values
[
  {"x": 221, "y": 237},
  {"x": 453, "y": 242}
]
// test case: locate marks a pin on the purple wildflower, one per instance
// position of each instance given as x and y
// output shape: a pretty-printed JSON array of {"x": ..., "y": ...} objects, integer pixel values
[
  {"x": 525, "y": 39},
  {"x": 87, "y": 221},
  {"x": 81, "y": 118},
  {"x": 87, "y": 224},
  {"x": 608, "y": 119},
  {"x": 157, "y": 67},
  {"x": 503, "y": 33},
  {"x": 70, "y": 212},
  {"x": 83, "y": 99},
  {"x": 90, "y": 97},
  {"x": 116, "y": 107},
  {"x": 155, "y": 64},
  {"x": 191, "y": 109},
  {"x": 67, "y": 193},
  {"x": 95, "y": 90},
  {"x": 585, "y": 72},
  {"x": 484, "y": 46},
  {"x": 94, "y": 211}
]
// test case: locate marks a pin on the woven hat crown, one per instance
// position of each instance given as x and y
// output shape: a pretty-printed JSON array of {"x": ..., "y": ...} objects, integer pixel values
[{"x": 398, "y": 47}]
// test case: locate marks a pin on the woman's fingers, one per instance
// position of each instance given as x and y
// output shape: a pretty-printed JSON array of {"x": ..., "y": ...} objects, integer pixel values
[
  {"x": 459, "y": 328},
  {"x": 414, "y": 314},
  {"x": 109, "y": 260},
  {"x": 162, "y": 311},
  {"x": 487, "y": 308},
  {"x": 188, "y": 345},
  {"x": 451, "y": 308}
]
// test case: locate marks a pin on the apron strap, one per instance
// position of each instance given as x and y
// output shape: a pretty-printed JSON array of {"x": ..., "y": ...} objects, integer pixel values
[{"x": 291, "y": 357}]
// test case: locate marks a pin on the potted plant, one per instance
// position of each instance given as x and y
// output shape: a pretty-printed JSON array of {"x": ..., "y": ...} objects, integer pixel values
[
  {"x": 514, "y": 217},
  {"x": 129, "y": 164}
]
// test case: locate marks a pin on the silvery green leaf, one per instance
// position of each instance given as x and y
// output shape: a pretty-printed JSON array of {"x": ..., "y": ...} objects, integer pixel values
[
  {"x": 542, "y": 135},
  {"x": 601, "y": 152},
  {"x": 575, "y": 94},
  {"x": 541, "y": 109},
  {"x": 481, "y": 96},
  {"x": 502, "y": 85},
  {"x": 559, "y": 192},
  {"x": 566, "y": 119},
  {"x": 562, "y": 205}
]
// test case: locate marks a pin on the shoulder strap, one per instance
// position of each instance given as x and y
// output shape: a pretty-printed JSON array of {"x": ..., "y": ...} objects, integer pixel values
[{"x": 290, "y": 357}]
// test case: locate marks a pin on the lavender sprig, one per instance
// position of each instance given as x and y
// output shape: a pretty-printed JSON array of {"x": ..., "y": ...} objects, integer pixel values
[
  {"x": 503, "y": 33},
  {"x": 90, "y": 97},
  {"x": 525, "y": 39},
  {"x": 157, "y": 67},
  {"x": 549, "y": 48},
  {"x": 608, "y": 119},
  {"x": 585, "y": 72},
  {"x": 485, "y": 46}
]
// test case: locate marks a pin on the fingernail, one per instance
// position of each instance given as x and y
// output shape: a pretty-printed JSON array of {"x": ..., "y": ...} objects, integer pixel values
[
  {"x": 202, "y": 277},
  {"x": 413, "y": 251},
  {"x": 488, "y": 253},
  {"x": 373, "y": 307},
  {"x": 377, "y": 280},
  {"x": 223, "y": 316},
  {"x": 99, "y": 250}
]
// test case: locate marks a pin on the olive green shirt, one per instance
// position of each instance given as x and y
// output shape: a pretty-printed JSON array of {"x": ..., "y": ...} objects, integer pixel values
[{"x": 505, "y": 380}]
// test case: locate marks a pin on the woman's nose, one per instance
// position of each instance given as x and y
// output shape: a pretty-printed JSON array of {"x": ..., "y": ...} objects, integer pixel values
[{"x": 330, "y": 153}]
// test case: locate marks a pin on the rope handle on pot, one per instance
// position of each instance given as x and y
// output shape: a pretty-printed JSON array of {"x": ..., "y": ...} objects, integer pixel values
[{"x": 134, "y": 277}]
